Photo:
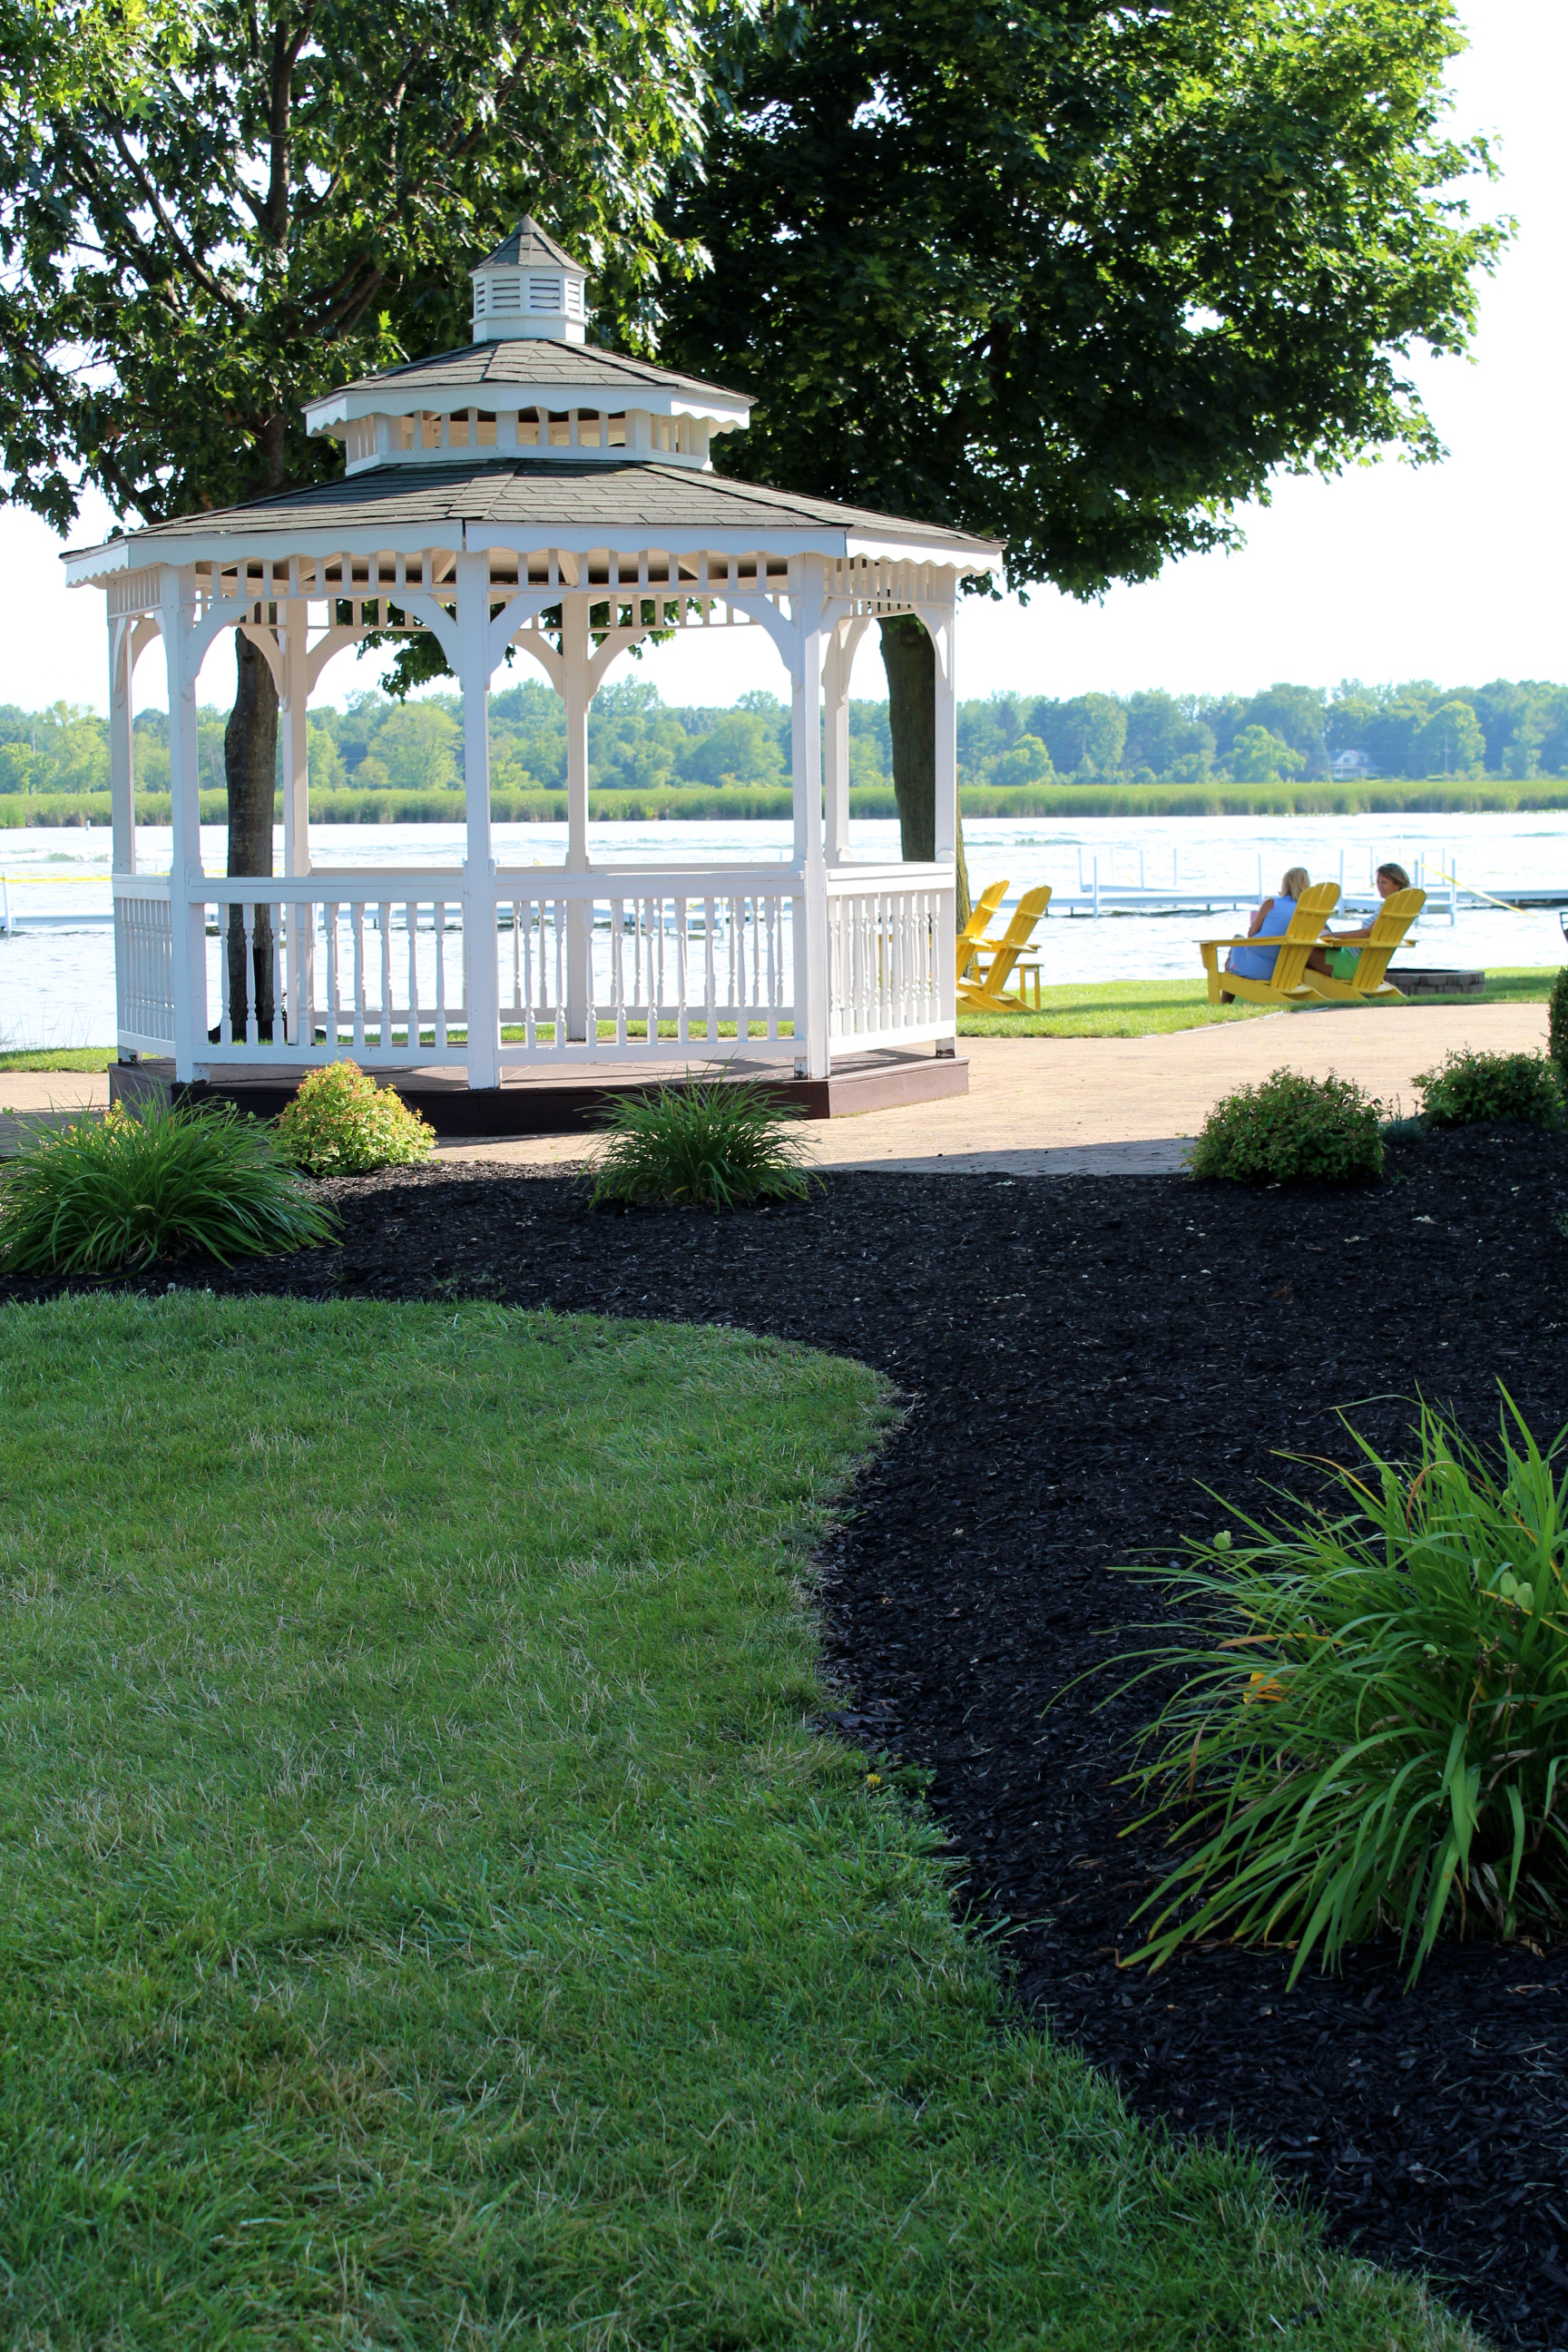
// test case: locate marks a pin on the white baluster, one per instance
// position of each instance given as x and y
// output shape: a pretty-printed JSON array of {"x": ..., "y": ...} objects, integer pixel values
[
  {"x": 278, "y": 996},
  {"x": 356, "y": 929},
  {"x": 710, "y": 990},
  {"x": 330, "y": 922},
  {"x": 248, "y": 931},
  {"x": 411, "y": 917},
  {"x": 225, "y": 1018},
  {"x": 383, "y": 975},
  {"x": 558, "y": 909}
]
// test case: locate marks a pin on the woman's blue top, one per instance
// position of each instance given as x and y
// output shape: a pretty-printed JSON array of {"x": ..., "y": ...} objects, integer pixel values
[{"x": 1258, "y": 964}]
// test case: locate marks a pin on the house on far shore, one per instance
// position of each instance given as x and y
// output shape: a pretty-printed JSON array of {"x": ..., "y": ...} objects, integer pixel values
[{"x": 1351, "y": 766}]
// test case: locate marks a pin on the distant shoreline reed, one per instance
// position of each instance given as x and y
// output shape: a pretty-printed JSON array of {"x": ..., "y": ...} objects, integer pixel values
[{"x": 739, "y": 804}]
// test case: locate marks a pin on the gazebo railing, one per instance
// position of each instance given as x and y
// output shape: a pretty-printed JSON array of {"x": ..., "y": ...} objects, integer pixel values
[
  {"x": 143, "y": 964},
  {"x": 667, "y": 961},
  {"x": 636, "y": 963},
  {"x": 890, "y": 960}
]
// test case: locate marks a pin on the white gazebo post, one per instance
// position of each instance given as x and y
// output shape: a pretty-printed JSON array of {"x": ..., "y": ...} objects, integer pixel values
[
  {"x": 806, "y": 598},
  {"x": 841, "y": 642},
  {"x": 481, "y": 985},
  {"x": 942, "y": 626},
  {"x": 125, "y": 642},
  {"x": 187, "y": 914},
  {"x": 295, "y": 701},
  {"x": 576, "y": 698}
]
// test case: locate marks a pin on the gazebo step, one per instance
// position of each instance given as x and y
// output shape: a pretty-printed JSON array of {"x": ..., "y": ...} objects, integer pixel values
[{"x": 536, "y": 1102}]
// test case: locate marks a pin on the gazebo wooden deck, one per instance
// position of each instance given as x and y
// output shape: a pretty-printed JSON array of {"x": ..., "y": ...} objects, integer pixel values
[{"x": 530, "y": 492}]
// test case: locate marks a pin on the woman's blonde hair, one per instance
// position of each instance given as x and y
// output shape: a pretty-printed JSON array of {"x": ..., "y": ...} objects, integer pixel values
[
  {"x": 1296, "y": 880},
  {"x": 1394, "y": 874}
]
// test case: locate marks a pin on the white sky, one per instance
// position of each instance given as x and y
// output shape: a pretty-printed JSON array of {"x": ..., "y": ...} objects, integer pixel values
[{"x": 1452, "y": 572}]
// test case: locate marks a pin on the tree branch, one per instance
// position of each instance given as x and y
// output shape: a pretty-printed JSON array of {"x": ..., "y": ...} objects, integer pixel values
[
  {"x": 285, "y": 56},
  {"x": 203, "y": 277}
]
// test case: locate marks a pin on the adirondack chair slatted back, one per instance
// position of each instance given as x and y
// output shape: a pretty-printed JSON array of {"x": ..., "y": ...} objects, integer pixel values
[
  {"x": 1390, "y": 925},
  {"x": 1301, "y": 934},
  {"x": 973, "y": 932},
  {"x": 1002, "y": 954}
]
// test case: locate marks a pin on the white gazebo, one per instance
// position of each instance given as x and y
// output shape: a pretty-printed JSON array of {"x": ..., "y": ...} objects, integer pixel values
[{"x": 533, "y": 491}]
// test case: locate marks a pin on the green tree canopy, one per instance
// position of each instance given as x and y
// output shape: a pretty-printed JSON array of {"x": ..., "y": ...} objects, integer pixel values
[
  {"x": 1080, "y": 275},
  {"x": 1085, "y": 736},
  {"x": 1258, "y": 756},
  {"x": 416, "y": 750},
  {"x": 1449, "y": 742},
  {"x": 212, "y": 213},
  {"x": 212, "y": 210}
]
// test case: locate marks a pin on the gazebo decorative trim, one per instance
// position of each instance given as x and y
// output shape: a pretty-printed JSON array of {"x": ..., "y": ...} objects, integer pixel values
[{"x": 570, "y": 547}]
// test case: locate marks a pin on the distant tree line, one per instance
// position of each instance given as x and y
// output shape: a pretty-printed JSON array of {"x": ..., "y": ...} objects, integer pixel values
[{"x": 1286, "y": 733}]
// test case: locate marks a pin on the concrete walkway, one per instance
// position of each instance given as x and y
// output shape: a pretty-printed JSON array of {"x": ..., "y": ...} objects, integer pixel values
[
  {"x": 1053, "y": 1106},
  {"x": 1105, "y": 1105}
]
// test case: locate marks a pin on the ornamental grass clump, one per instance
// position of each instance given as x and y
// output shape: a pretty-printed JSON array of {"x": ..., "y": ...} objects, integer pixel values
[
  {"x": 1292, "y": 1130},
  {"x": 1370, "y": 1727},
  {"x": 341, "y": 1123},
  {"x": 716, "y": 1143},
  {"x": 99, "y": 1194},
  {"x": 1473, "y": 1089}
]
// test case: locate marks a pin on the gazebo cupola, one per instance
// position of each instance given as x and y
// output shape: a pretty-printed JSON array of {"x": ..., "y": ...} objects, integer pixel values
[{"x": 529, "y": 287}]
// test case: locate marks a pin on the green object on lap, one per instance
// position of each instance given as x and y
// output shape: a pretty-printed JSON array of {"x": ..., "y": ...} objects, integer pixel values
[{"x": 1343, "y": 963}]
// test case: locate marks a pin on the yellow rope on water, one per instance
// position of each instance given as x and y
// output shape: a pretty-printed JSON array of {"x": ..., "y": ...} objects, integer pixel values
[{"x": 1506, "y": 905}]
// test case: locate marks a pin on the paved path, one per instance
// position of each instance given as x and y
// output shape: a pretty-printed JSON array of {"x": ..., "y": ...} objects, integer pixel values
[
  {"x": 1102, "y": 1105},
  {"x": 53, "y": 1090},
  {"x": 1055, "y": 1105}
]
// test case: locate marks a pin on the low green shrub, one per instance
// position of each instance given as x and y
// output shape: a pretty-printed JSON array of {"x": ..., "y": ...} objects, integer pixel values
[
  {"x": 1292, "y": 1131},
  {"x": 716, "y": 1142},
  {"x": 1472, "y": 1087},
  {"x": 103, "y": 1193},
  {"x": 341, "y": 1123},
  {"x": 1370, "y": 1726},
  {"x": 1557, "y": 1025}
]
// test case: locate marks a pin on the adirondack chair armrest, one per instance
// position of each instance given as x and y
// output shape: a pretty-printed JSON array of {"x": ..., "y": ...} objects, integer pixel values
[{"x": 1257, "y": 940}]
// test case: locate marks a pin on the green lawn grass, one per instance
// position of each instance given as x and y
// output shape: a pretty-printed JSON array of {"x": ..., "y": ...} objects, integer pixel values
[
  {"x": 432, "y": 1920},
  {"x": 1145, "y": 1008},
  {"x": 59, "y": 1058}
]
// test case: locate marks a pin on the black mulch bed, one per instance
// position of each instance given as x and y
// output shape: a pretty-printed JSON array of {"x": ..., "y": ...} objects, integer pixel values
[{"x": 1081, "y": 1356}]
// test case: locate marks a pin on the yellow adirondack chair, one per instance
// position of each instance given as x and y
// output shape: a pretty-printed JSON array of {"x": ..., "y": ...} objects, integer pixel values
[
  {"x": 1295, "y": 944},
  {"x": 995, "y": 959},
  {"x": 1367, "y": 983},
  {"x": 973, "y": 932}
]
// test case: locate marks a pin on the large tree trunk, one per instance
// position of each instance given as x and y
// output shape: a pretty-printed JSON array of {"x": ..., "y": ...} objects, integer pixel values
[
  {"x": 250, "y": 769},
  {"x": 909, "y": 658}
]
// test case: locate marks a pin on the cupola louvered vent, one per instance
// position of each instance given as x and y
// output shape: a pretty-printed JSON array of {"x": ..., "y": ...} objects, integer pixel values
[{"x": 529, "y": 286}]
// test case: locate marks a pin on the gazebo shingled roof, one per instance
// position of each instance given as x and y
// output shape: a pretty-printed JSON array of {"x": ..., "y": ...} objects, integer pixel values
[
  {"x": 625, "y": 500},
  {"x": 537, "y": 362}
]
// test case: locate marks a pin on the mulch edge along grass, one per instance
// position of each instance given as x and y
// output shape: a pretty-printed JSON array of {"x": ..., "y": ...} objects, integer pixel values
[{"x": 434, "y": 1915}]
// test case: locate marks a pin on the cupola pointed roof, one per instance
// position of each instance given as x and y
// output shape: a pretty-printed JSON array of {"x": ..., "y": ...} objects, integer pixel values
[{"x": 528, "y": 246}]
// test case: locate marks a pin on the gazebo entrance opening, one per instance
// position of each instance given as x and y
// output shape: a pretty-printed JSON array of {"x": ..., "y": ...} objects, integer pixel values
[{"x": 529, "y": 492}]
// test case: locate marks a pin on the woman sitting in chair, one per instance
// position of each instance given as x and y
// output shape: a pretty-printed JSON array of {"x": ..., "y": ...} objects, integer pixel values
[
  {"x": 1341, "y": 949},
  {"x": 1271, "y": 919}
]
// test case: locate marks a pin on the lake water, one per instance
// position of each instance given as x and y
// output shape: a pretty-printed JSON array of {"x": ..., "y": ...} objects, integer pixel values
[{"x": 56, "y": 987}]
